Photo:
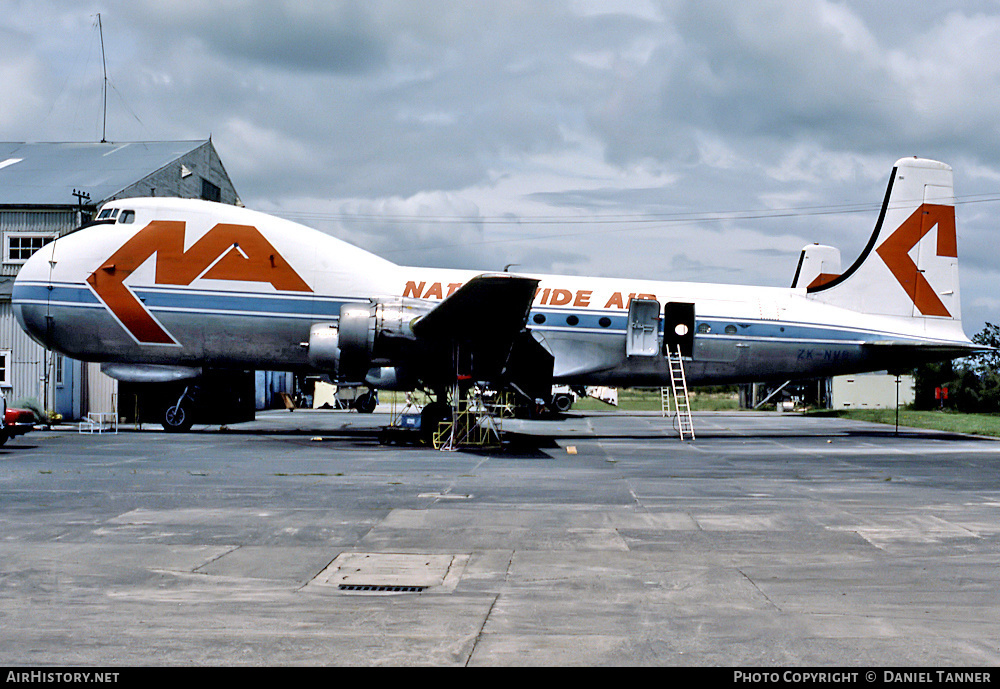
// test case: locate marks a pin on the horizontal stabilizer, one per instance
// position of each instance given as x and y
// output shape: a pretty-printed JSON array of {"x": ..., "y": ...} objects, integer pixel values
[{"x": 944, "y": 350}]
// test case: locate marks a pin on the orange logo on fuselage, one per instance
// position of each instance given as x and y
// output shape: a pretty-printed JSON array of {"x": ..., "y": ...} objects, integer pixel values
[
  {"x": 895, "y": 252},
  {"x": 226, "y": 252}
]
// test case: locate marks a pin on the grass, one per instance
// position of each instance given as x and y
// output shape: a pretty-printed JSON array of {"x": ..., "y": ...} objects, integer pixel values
[
  {"x": 953, "y": 422},
  {"x": 632, "y": 399},
  {"x": 637, "y": 399}
]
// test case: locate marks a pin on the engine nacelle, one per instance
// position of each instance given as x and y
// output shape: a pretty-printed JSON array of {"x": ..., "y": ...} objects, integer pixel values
[
  {"x": 367, "y": 336},
  {"x": 357, "y": 341},
  {"x": 324, "y": 346},
  {"x": 389, "y": 378}
]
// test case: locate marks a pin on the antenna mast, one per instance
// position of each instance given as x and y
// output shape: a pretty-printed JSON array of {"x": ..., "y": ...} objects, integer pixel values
[{"x": 104, "y": 63}]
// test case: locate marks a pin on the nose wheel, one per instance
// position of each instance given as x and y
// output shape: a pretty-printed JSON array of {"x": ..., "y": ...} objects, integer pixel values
[{"x": 179, "y": 416}]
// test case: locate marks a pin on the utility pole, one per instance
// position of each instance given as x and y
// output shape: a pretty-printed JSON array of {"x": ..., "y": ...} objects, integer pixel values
[
  {"x": 897, "y": 405},
  {"x": 81, "y": 196}
]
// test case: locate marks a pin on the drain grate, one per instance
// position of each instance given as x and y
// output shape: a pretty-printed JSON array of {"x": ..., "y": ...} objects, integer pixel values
[
  {"x": 392, "y": 573},
  {"x": 373, "y": 588}
]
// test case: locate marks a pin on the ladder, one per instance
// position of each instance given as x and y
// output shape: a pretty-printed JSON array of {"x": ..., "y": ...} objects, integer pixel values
[{"x": 679, "y": 392}]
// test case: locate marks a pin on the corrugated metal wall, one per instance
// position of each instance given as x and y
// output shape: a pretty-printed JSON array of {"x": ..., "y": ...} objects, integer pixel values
[
  {"x": 27, "y": 366},
  {"x": 28, "y": 379},
  {"x": 872, "y": 391},
  {"x": 102, "y": 390}
]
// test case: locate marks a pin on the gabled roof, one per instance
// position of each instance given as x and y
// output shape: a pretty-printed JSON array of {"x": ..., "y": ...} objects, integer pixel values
[{"x": 45, "y": 174}]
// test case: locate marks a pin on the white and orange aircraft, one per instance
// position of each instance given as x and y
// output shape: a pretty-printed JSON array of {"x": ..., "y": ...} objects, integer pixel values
[{"x": 163, "y": 289}]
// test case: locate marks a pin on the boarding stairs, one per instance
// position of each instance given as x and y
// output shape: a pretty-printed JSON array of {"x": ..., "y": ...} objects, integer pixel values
[{"x": 678, "y": 393}]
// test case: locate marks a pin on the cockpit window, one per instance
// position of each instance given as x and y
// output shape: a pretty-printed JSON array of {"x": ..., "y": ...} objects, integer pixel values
[
  {"x": 127, "y": 217},
  {"x": 108, "y": 213}
]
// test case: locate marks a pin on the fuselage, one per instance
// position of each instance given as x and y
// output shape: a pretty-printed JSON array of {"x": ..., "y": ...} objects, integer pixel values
[
  {"x": 742, "y": 333},
  {"x": 187, "y": 283}
]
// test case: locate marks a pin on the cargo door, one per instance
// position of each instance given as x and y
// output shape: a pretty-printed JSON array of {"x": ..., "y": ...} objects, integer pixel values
[{"x": 678, "y": 327}]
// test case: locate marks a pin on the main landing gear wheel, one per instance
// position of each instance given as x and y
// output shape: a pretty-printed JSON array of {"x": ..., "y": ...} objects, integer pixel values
[
  {"x": 430, "y": 417},
  {"x": 562, "y": 403},
  {"x": 366, "y": 403}
]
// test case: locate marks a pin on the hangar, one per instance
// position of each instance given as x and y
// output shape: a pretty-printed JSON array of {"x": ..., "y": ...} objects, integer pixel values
[{"x": 49, "y": 189}]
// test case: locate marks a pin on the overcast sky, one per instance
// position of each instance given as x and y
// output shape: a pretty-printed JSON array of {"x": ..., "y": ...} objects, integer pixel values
[{"x": 705, "y": 140}]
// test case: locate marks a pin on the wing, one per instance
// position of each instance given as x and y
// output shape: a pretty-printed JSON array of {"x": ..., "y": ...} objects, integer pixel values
[{"x": 481, "y": 320}]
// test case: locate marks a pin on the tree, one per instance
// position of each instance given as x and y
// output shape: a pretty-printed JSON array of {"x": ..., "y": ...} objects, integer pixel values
[
  {"x": 987, "y": 362},
  {"x": 973, "y": 383}
]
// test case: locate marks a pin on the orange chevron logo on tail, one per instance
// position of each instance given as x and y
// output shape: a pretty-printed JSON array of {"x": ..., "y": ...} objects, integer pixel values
[
  {"x": 226, "y": 252},
  {"x": 894, "y": 251}
]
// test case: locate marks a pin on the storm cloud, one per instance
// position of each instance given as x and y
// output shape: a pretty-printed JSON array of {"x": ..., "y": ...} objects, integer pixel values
[{"x": 667, "y": 139}]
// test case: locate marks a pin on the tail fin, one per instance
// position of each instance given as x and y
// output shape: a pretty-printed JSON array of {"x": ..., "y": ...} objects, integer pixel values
[
  {"x": 818, "y": 265},
  {"x": 910, "y": 265}
]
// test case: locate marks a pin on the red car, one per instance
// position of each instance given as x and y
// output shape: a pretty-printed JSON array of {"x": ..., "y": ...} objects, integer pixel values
[{"x": 16, "y": 422}]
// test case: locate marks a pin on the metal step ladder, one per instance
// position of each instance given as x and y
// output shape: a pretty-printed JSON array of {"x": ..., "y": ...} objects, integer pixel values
[{"x": 679, "y": 391}]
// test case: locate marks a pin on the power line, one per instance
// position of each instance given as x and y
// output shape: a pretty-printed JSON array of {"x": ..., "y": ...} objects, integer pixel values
[
  {"x": 591, "y": 219},
  {"x": 614, "y": 219},
  {"x": 609, "y": 223}
]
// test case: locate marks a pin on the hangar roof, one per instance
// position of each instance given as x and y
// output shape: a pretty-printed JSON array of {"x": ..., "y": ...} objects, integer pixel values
[{"x": 46, "y": 174}]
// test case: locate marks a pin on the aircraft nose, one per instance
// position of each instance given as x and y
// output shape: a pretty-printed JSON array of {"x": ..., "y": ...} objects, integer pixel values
[{"x": 31, "y": 293}]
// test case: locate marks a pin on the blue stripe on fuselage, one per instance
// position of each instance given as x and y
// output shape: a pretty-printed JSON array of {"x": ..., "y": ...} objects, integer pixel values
[
  {"x": 302, "y": 306},
  {"x": 189, "y": 301},
  {"x": 745, "y": 329}
]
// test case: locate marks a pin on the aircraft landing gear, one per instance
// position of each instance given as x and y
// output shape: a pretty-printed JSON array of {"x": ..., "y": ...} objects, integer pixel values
[
  {"x": 366, "y": 403},
  {"x": 430, "y": 418},
  {"x": 179, "y": 417},
  {"x": 562, "y": 402}
]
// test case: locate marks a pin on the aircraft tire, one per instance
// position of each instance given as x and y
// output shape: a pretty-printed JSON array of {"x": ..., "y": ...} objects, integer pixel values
[
  {"x": 177, "y": 419},
  {"x": 430, "y": 416},
  {"x": 366, "y": 403},
  {"x": 562, "y": 403}
]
